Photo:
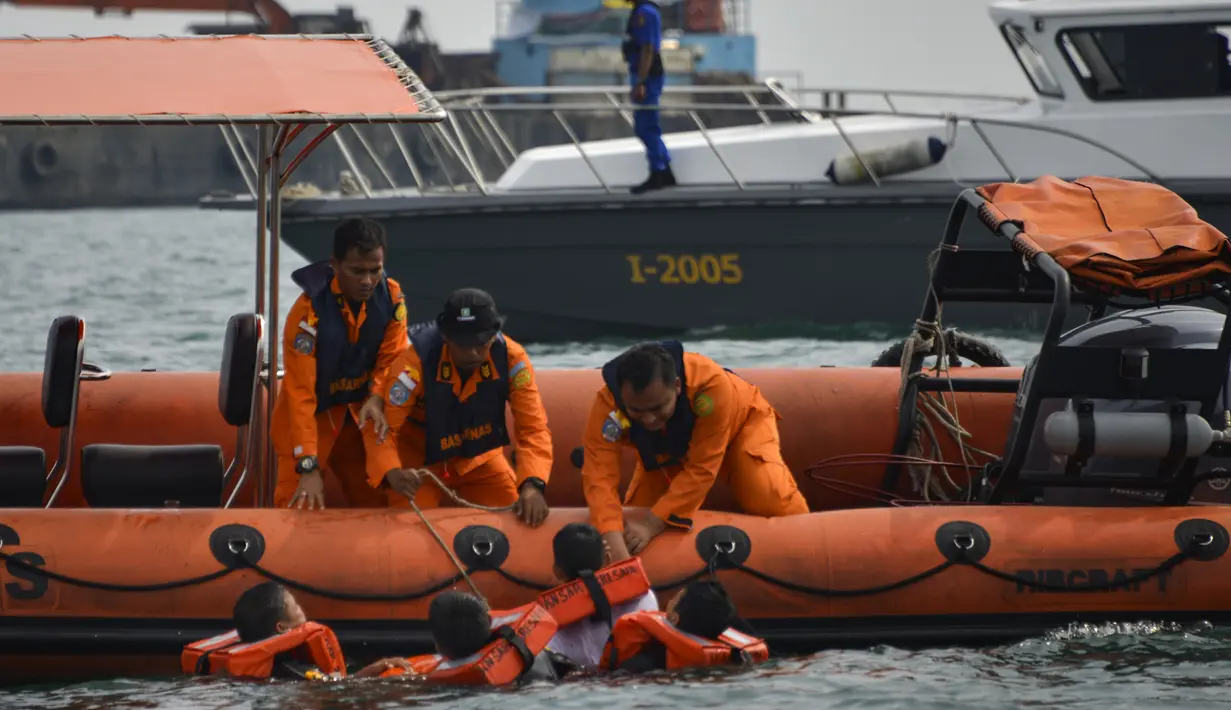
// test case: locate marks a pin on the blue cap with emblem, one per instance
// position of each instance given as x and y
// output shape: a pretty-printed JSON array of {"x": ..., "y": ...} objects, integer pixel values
[{"x": 470, "y": 317}]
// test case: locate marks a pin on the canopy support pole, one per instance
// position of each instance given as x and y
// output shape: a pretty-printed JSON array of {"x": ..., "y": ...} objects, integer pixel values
[{"x": 260, "y": 426}]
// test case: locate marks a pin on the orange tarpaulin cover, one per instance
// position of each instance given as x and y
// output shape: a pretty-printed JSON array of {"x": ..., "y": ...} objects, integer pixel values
[
  {"x": 1118, "y": 234},
  {"x": 234, "y": 76}
]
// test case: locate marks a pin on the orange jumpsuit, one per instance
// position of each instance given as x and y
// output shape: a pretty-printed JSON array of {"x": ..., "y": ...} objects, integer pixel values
[
  {"x": 297, "y": 430},
  {"x": 486, "y": 479},
  {"x": 734, "y": 439}
]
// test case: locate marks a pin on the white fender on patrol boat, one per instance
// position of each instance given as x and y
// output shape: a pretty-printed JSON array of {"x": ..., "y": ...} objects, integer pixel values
[{"x": 904, "y": 157}]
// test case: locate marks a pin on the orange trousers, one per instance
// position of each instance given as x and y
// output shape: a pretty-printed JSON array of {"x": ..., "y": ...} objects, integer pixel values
[
  {"x": 492, "y": 483},
  {"x": 339, "y": 448},
  {"x": 753, "y": 469}
]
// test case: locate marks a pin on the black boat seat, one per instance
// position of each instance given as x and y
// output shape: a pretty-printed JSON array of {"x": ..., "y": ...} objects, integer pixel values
[
  {"x": 128, "y": 476},
  {"x": 23, "y": 469},
  {"x": 23, "y": 476},
  {"x": 183, "y": 476}
]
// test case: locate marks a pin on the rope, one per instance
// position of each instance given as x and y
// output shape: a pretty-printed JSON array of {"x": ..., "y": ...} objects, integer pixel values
[
  {"x": 928, "y": 339},
  {"x": 456, "y": 498},
  {"x": 1189, "y": 551}
]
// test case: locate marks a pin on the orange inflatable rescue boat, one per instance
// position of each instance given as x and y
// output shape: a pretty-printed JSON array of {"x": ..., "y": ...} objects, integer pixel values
[{"x": 951, "y": 504}]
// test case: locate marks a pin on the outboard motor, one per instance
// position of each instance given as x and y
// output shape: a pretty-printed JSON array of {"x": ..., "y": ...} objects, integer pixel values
[{"x": 1143, "y": 441}]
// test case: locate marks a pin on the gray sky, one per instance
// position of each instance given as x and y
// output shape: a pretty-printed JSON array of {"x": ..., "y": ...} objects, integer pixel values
[{"x": 885, "y": 44}]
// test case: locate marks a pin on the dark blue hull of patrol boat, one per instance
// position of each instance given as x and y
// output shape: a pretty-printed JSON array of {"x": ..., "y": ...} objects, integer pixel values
[{"x": 576, "y": 267}]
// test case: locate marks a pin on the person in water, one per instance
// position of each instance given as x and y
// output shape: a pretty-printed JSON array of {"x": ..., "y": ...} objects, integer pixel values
[
  {"x": 343, "y": 331},
  {"x": 692, "y": 422},
  {"x": 578, "y": 548},
  {"x": 461, "y": 626},
  {"x": 702, "y": 627},
  {"x": 269, "y": 609},
  {"x": 453, "y": 385}
]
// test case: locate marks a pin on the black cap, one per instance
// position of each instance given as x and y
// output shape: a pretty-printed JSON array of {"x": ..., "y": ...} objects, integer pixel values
[{"x": 470, "y": 317}]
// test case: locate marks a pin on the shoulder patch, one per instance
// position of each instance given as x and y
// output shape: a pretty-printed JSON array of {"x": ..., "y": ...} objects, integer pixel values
[
  {"x": 520, "y": 376},
  {"x": 304, "y": 343},
  {"x": 703, "y": 405},
  {"x": 399, "y": 391},
  {"x": 614, "y": 426},
  {"x": 399, "y": 313}
]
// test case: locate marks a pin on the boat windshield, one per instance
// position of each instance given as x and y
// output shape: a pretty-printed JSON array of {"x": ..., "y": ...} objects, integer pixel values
[
  {"x": 1032, "y": 62},
  {"x": 1175, "y": 61}
]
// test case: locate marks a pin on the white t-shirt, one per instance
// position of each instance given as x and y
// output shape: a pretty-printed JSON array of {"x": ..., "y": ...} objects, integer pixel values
[{"x": 583, "y": 642}]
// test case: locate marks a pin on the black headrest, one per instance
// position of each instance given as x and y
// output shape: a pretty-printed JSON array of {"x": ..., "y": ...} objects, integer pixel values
[
  {"x": 237, "y": 378},
  {"x": 61, "y": 369}
]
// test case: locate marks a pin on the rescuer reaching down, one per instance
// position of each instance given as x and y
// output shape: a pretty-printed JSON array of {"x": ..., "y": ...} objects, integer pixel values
[
  {"x": 691, "y": 422},
  {"x": 701, "y": 627},
  {"x": 452, "y": 386},
  {"x": 342, "y": 332},
  {"x": 592, "y": 597}
]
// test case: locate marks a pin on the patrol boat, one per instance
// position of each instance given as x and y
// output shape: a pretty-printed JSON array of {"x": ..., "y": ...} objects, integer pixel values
[
  {"x": 950, "y": 504},
  {"x": 806, "y": 217}
]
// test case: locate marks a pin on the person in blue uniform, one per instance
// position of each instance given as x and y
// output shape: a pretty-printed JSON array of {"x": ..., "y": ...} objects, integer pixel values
[{"x": 643, "y": 54}]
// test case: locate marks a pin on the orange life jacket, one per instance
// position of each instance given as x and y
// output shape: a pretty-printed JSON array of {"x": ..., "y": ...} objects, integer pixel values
[
  {"x": 634, "y": 631},
  {"x": 594, "y": 593},
  {"x": 520, "y": 634},
  {"x": 311, "y": 643}
]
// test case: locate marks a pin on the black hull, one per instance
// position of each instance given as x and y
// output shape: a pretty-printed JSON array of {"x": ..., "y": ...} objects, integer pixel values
[{"x": 562, "y": 267}]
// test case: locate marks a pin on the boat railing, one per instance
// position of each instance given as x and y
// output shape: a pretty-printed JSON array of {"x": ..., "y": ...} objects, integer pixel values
[{"x": 458, "y": 155}]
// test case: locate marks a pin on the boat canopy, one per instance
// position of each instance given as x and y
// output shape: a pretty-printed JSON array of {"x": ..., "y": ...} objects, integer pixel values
[
  {"x": 209, "y": 80},
  {"x": 280, "y": 83},
  {"x": 1117, "y": 235}
]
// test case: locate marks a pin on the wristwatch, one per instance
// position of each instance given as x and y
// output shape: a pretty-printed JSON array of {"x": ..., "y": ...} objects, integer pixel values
[
  {"x": 306, "y": 464},
  {"x": 537, "y": 482}
]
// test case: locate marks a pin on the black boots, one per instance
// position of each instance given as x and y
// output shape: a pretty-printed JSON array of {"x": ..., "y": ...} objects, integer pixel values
[{"x": 658, "y": 180}]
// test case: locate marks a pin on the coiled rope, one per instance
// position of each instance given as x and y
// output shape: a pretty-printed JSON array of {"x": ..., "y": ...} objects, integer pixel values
[{"x": 928, "y": 339}]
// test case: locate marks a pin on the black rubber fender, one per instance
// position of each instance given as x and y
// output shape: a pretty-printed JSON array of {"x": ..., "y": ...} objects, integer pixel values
[{"x": 958, "y": 344}]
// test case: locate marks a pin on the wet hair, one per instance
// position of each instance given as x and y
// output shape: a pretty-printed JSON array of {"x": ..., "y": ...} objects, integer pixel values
[
  {"x": 577, "y": 547},
  {"x": 706, "y": 610},
  {"x": 461, "y": 624},
  {"x": 258, "y": 611},
  {"x": 645, "y": 363},
  {"x": 361, "y": 234}
]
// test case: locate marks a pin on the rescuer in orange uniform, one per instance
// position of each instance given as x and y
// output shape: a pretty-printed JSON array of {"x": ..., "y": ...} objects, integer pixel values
[
  {"x": 341, "y": 334},
  {"x": 691, "y": 422},
  {"x": 452, "y": 385}
]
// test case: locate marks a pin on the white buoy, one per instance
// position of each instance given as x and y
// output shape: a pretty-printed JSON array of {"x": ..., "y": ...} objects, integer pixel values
[{"x": 914, "y": 154}]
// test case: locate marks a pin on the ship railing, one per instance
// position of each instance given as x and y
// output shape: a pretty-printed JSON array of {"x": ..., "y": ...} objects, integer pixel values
[
  {"x": 456, "y": 153},
  {"x": 475, "y": 139}
]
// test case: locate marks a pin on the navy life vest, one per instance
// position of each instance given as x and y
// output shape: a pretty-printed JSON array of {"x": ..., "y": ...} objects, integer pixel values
[
  {"x": 343, "y": 369},
  {"x": 454, "y": 428},
  {"x": 631, "y": 48},
  {"x": 671, "y": 444}
]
